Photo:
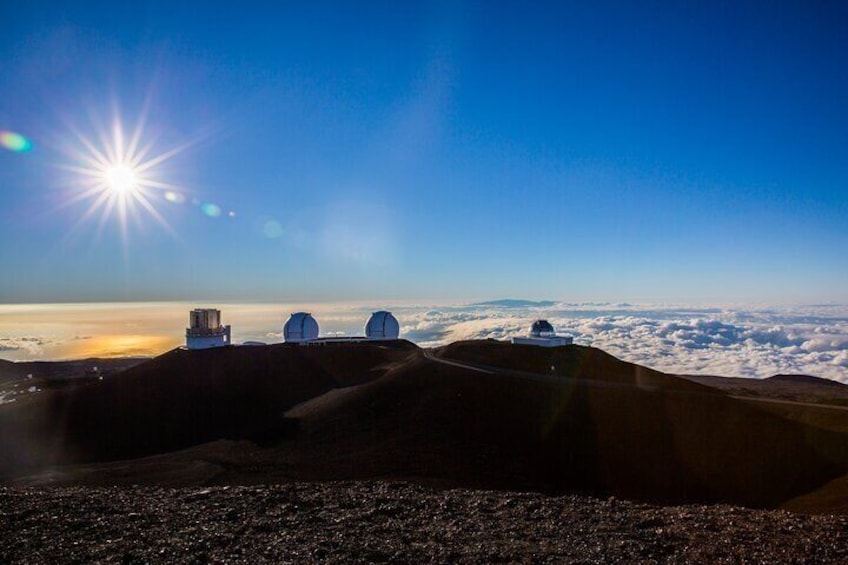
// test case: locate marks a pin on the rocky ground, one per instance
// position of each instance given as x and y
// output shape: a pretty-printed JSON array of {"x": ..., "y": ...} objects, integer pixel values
[{"x": 377, "y": 522}]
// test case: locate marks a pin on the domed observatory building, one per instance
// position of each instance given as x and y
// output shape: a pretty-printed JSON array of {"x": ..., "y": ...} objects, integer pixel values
[
  {"x": 543, "y": 334},
  {"x": 300, "y": 328},
  {"x": 205, "y": 329},
  {"x": 382, "y": 325}
]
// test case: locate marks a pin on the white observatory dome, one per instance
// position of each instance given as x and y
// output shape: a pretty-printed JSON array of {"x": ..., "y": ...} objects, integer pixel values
[
  {"x": 300, "y": 327},
  {"x": 382, "y": 325},
  {"x": 542, "y": 328}
]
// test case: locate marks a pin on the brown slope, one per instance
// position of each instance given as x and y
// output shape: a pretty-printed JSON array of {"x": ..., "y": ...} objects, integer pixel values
[
  {"x": 805, "y": 390},
  {"x": 180, "y": 399},
  {"x": 11, "y": 371},
  {"x": 807, "y": 379},
  {"x": 42, "y": 371},
  {"x": 573, "y": 361},
  {"x": 654, "y": 437},
  {"x": 831, "y": 498}
]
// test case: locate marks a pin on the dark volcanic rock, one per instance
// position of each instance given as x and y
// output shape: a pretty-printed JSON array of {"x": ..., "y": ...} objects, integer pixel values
[
  {"x": 593, "y": 424},
  {"x": 393, "y": 522},
  {"x": 478, "y": 414},
  {"x": 180, "y": 399}
]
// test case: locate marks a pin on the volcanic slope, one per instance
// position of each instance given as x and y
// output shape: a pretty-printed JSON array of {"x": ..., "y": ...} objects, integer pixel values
[
  {"x": 51, "y": 373},
  {"x": 572, "y": 418},
  {"x": 795, "y": 388},
  {"x": 479, "y": 414},
  {"x": 181, "y": 399}
]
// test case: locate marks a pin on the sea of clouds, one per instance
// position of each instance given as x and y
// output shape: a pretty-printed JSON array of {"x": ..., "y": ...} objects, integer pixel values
[
  {"x": 726, "y": 341},
  {"x": 734, "y": 341}
]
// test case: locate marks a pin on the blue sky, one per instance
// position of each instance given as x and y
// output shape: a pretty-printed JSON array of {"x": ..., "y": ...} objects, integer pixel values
[{"x": 453, "y": 151}]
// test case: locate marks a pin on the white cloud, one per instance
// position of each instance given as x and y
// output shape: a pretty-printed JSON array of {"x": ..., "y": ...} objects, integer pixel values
[
  {"x": 31, "y": 345},
  {"x": 730, "y": 341},
  {"x": 719, "y": 341}
]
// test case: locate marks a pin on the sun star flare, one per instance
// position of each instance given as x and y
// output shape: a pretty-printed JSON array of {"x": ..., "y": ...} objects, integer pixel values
[{"x": 119, "y": 178}]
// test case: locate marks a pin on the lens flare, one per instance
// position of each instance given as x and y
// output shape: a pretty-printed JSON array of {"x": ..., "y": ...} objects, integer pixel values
[
  {"x": 14, "y": 141},
  {"x": 272, "y": 229},
  {"x": 211, "y": 210},
  {"x": 175, "y": 197}
]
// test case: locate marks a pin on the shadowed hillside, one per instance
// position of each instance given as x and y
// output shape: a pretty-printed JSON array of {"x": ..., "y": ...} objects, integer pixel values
[
  {"x": 51, "y": 372},
  {"x": 179, "y": 399},
  {"x": 480, "y": 414},
  {"x": 654, "y": 436},
  {"x": 570, "y": 361},
  {"x": 798, "y": 388}
]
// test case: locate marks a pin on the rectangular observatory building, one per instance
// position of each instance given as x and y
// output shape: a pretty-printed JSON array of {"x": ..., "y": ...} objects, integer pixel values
[{"x": 205, "y": 329}]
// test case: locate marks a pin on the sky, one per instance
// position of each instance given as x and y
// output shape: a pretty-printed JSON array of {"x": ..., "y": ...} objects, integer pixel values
[
  {"x": 671, "y": 177},
  {"x": 442, "y": 151}
]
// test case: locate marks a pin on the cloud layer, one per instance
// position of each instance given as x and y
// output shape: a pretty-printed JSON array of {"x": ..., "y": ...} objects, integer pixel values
[
  {"x": 28, "y": 344},
  {"x": 735, "y": 341},
  {"x": 717, "y": 341}
]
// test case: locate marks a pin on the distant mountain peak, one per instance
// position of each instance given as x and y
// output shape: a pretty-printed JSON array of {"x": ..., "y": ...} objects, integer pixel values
[
  {"x": 805, "y": 379},
  {"x": 516, "y": 303}
]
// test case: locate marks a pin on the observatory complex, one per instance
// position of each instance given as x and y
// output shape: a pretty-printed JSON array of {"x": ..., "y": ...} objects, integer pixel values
[
  {"x": 382, "y": 325},
  {"x": 205, "y": 329},
  {"x": 542, "y": 334},
  {"x": 302, "y": 328}
]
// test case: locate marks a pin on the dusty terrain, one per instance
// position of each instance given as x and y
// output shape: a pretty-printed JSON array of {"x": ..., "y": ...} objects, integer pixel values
[
  {"x": 796, "y": 388},
  {"x": 394, "y": 522},
  {"x": 479, "y": 414},
  {"x": 54, "y": 372},
  {"x": 235, "y": 454}
]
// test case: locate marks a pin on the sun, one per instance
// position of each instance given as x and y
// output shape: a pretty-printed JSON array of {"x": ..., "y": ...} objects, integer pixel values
[
  {"x": 119, "y": 176},
  {"x": 121, "y": 179}
]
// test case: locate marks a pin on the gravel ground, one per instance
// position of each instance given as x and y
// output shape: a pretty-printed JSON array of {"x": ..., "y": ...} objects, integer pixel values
[{"x": 395, "y": 522}]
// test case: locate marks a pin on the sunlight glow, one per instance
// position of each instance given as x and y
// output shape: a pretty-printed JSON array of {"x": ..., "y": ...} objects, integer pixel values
[
  {"x": 120, "y": 345},
  {"x": 118, "y": 177},
  {"x": 121, "y": 178}
]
